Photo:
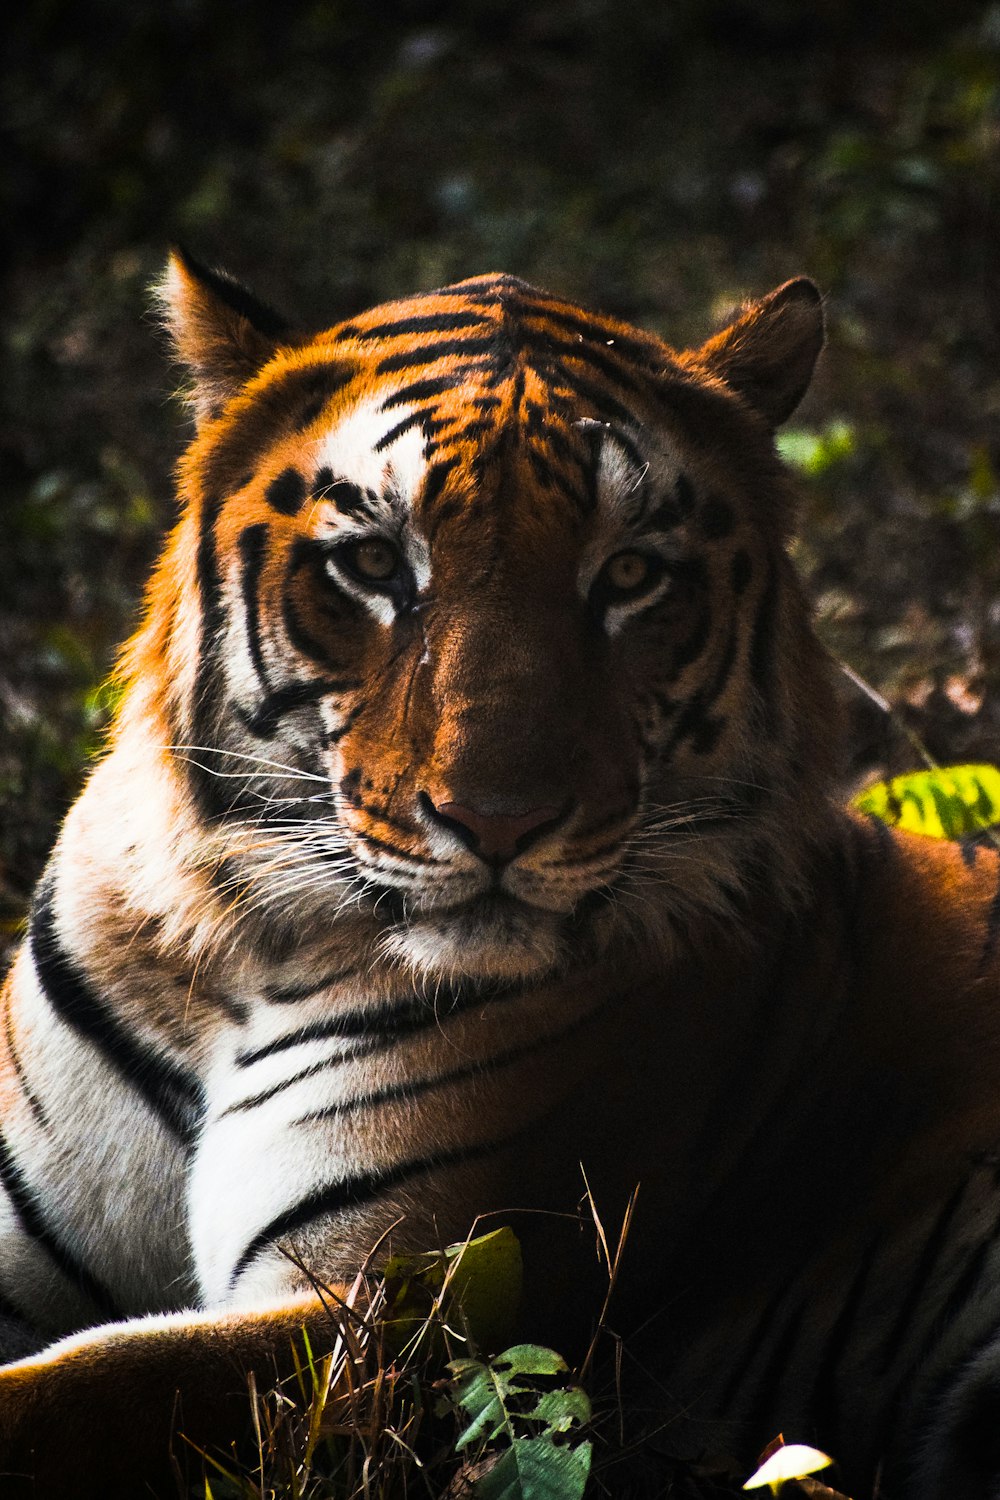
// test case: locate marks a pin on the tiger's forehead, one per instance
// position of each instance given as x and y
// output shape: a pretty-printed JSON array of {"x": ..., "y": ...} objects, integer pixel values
[
  {"x": 373, "y": 466},
  {"x": 459, "y": 400},
  {"x": 462, "y": 384}
]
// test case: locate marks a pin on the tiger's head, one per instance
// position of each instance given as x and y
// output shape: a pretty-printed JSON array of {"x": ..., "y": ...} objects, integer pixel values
[{"x": 478, "y": 621}]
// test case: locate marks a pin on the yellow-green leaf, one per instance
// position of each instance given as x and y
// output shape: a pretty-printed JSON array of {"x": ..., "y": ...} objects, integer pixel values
[
  {"x": 478, "y": 1281},
  {"x": 949, "y": 802}
]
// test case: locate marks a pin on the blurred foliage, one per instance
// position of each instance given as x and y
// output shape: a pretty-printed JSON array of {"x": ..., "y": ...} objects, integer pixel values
[
  {"x": 944, "y": 802},
  {"x": 660, "y": 161}
]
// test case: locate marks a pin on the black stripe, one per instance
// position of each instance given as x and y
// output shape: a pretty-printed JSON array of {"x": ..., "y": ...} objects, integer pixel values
[
  {"x": 741, "y": 571},
  {"x": 28, "y": 1209},
  {"x": 334, "y": 736},
  {"x": 400, "y": 853},
  {"x": 954, "y": 1305},
  {"x": 34, "y": 1103},
  {"x": 390, "y": 1019},
  {"x": 437, "y": 322},
  {"x": 382, "y": 816},
  {"x": 547, "y": 475},
  {"x": 505, "y": 432},
  {"x": 596, "y": 395},
  {"x": 260, "y": 315},
  {"x": 763, "y": 1325},
  {"x": 825, "y": 1400},
  {"x": 685, "y": 497},
  {"x": 934, "y": 1244},
  {"x": 380, "y": 1043},
  {"x": 597, "y": 356},
  {"x": 437, "y": 478},
  {"x": 768, "y": 1382},
  {"x": 335, "y": 1197},
  {"x": 415, "y": 419},
  {"x": 287, "y": 994},
  {"x": 11, "y": 1311},
  {"x": 347, "y": 497},
  {"x": 299, "y": 635},
  {"x": 213, "y": 797},
  {"x": 595, "y": 328},
  {"x": 716, "y": 518},
  {"x": 553, "y": 437},
  {"x": 252, "y": 546},
  {"x": 329, "y": 600},
  {"x": 477, "y": 427},
  {"x": 287, "y": 492},
  {"x": 310, "y": 412},
  {"x": 429, "y": 354},
  {"x": 171, "y": 1092},
  {"x": 263, "y": 720},
  {"x": 968, "y": 847},
  {"x": 992, "y": 929},
  {"x": 971, "y": 1275},
  {"x": 207, "y": 566},
  {"x": 762, "y": 645},
  {"x": 275, "y": 411},
  {"x": 696, "y": 722},
  {"x": 422, "y": 390},
  {"x": 412, "y": 1088},
  {"x": 324, "y": 1065}
]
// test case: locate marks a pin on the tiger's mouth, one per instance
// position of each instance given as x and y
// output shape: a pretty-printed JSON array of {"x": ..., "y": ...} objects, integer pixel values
[
  {"x": 490, "y": 935},
  {"x": 494, "y": 908}
]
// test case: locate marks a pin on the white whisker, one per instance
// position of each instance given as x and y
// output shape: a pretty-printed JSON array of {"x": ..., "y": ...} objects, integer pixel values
[{"x": 258, "y": 760}]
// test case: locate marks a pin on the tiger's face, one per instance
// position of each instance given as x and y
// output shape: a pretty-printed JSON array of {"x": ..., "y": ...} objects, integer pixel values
[{"x": 488, "y": 629}]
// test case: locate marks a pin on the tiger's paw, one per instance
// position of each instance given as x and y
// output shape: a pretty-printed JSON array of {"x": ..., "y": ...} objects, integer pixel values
[{"x": 126, "y": 1410}]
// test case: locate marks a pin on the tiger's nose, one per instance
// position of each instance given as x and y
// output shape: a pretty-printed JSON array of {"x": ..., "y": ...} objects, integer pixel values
[{"x": 496, "y": 837}]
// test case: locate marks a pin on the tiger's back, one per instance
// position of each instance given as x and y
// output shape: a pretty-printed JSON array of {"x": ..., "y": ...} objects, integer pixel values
[{"x": 466, "y": 820}]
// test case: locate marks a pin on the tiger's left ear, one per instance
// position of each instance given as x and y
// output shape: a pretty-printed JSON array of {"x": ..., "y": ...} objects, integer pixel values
[
  {"x": 219, "y": 329},
  {"x": 768, "y": 352}
]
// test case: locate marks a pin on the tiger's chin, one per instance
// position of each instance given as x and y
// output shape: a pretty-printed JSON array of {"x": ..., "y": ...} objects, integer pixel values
[{"x": 494, "y": 938}]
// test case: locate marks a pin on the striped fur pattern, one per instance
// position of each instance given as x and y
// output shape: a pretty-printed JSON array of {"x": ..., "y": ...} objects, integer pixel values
[{"x": 465, "y": 818}]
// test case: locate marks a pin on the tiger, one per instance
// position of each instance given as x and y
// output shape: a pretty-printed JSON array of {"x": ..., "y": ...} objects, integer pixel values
[{"x": 469, "y": 823}]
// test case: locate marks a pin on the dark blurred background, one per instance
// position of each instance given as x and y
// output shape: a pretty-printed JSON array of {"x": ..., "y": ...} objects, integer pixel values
[{"x": 659, "y": 161}]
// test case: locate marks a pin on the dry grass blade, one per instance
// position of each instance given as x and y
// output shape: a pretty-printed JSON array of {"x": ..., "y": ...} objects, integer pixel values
[
  {"x": 612, "y": 1264},
  {"x": 357, "y": 1423}
]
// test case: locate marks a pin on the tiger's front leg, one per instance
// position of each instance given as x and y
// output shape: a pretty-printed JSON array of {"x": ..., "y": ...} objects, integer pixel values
[{"x": 121, "y": 1410}]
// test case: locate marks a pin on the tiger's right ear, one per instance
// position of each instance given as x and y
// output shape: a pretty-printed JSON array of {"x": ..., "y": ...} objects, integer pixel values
[
  {"x": 767, "y": 353},
  {"x": 219, "y": 330}
]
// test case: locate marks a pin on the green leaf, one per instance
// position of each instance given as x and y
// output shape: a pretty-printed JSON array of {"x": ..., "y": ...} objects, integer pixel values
[
  {"x": 815, "y": 452},
  {"x": 949, "y": 802},
  {"x": 522, "y": 1407},
  {"x": 477, "y": 1283}
]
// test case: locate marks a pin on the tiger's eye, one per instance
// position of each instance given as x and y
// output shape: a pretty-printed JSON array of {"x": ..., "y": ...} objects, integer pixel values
[
  {"x": 375, "y": 559},
  {"x": 628, "y": 571}
]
